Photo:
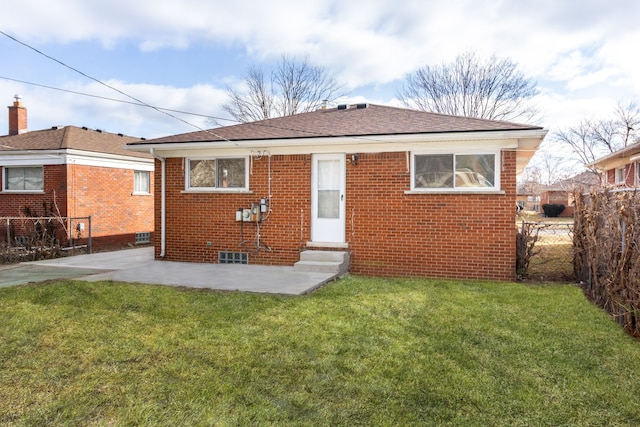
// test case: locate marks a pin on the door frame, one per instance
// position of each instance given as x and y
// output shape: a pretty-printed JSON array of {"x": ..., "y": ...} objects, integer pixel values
[{"x": 332, "y": 231}]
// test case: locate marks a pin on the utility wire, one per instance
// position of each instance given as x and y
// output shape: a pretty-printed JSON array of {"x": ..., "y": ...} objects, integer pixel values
[
  {"x": 139, "y": 102},
  {"x": 158, "y": 108},
  {"x": 114, "y": 99},
  {"x": 112, "y": 87},
  {"x": 165, "y": 111}
]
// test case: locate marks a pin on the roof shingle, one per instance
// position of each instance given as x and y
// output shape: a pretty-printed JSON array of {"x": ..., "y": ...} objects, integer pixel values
[
  {"x": 352, "y": 121},
  {"x": 70, "y": 137}
]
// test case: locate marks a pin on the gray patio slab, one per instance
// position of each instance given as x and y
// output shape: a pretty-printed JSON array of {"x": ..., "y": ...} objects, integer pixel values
[
  {"x": 20, "y": 274},
  {"x": 139, "y": 266},
  {"x": 244, "y": 278}
]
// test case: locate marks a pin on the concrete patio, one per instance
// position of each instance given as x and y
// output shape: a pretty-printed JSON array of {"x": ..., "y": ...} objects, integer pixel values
[{"x": 138, "y": 266}]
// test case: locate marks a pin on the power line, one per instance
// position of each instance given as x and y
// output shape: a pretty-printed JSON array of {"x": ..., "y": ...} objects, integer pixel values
[
  {"x": 114, "y": 99},
  {"x": 165, "y": 111},
  {"x": 139, "y": 102},
  {"x": 157, "y": 108},
  {"x": 112, "y": 87}
]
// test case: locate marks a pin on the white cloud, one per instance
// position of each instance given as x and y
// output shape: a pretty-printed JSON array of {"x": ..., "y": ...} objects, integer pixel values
[
  {"x": 586, "y": 49},
  {"x": 48, "y": 108}
]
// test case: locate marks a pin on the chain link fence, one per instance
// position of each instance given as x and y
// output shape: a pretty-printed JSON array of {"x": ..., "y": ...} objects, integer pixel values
[
  {"x": 35, "y": 238},
  {"x": 550, "y": 253}
]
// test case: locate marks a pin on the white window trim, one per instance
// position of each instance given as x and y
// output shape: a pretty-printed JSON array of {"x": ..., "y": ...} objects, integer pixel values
[
  {"x": 187, "y": 177},
  {"x": 637, "y": 174},
  {"x": 4, "y": 177},
  {"x": 141, "y": 193},
  {"x": 496, "y": 189},
  {"x": 622, "y": 178}
]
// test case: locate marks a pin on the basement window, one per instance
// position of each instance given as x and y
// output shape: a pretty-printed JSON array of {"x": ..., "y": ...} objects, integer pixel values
[
  {"x": 233, "y": 257},
  {"x": 143, "y": 237},
  {"x": 220, "y": 174},
  {"x": 23, "y": 179},
  {"x": 455, "y": 171}
]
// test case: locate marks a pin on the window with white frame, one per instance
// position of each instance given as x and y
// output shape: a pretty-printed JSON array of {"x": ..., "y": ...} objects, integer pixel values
[
  {"x": 141, "y": 182},
  {"x": 219, "y": 174},
  {"x": 29, "y": 178},
  {"x": 637, "y": 174},
  {"x": 620, "y": 175},
  {"x": 455, "y": 171}
]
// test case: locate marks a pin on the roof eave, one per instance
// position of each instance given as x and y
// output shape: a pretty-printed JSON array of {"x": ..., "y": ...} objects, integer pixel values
[
  {"x": 528, "y": 134},
  {"x": 627, "y": 154},
  {"x": 73, "y": 152}
]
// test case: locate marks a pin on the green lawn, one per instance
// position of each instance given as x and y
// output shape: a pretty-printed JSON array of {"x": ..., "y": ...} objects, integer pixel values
[{"x": 361, "y": 351}]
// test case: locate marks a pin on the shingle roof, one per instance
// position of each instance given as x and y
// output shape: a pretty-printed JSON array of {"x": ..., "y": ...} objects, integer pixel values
[
  {"x": 350, "y": 121},
  {"x": 70, "y": 137}
]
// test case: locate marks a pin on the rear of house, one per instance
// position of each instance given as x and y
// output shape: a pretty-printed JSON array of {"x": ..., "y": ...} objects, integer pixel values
[
  {"x": 403, "y": 192},
  {"x": 75, "y": 172}
]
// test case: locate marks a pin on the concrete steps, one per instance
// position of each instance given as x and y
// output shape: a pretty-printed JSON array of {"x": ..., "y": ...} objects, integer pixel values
[{"x": 335, "y": 262}]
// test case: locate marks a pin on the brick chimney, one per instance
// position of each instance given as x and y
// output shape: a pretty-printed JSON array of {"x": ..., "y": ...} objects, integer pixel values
[{"x": 17, "y": 117}]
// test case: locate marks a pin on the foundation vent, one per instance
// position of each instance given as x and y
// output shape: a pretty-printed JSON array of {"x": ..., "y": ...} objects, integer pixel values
[{"x": 233, "y": 257}]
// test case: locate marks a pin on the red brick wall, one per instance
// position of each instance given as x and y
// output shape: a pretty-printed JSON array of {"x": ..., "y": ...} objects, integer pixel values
[
  {"x": 196, "y": 219},
  {"x": 390, "y": 233},
  {"x": 436, "y": 235},
  {"x": 630, "y": 174},
  {"x": 54, "y": 196},
  {"x": 55, "y": 191},
  {"x": 105, "y": 194}
]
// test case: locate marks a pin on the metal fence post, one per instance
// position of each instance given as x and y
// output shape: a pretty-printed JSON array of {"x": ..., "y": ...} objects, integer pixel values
[
  {"x": 70, "y": 225},
  {"x": 89, "y": 224}
]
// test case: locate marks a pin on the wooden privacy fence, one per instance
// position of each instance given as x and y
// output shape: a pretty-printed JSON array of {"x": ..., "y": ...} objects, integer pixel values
[
  {"x": 607, "y": 253},
  {"x": 33, "y": 238}
]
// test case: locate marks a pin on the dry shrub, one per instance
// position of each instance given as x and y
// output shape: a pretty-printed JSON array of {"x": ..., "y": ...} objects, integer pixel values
[
  {"x": 526, "y": 239},
  {"x": 607, "y": 253}
]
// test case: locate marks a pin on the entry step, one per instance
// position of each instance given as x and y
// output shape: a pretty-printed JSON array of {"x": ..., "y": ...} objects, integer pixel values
[{"x": 336, "y": 262}]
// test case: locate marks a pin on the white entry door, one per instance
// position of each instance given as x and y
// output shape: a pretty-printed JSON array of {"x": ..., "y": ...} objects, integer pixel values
[{"x": 328, "y": 198}]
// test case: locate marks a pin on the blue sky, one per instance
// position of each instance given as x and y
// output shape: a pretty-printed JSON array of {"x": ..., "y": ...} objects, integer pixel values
[{"x": 182, "y": 55}]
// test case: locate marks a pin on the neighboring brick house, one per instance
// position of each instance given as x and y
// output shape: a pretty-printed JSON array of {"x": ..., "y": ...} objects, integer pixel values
[
  {"x": 620, "y": 169},
  {"x": 562, "y": 192},
  {"x": 406, "y": 193},
  {"x": 78, "y": 172}
]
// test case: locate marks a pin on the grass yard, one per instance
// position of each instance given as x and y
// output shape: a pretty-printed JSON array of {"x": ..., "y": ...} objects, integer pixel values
[{"x": 361, "y": 351}]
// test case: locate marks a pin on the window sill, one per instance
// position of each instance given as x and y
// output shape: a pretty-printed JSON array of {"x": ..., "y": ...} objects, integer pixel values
[
  {"x": 22, "y": 192},
  {"x": 218, "y": 191},
  {"x": 141, "y": 194},
  {"x": 459, "y": 192}
]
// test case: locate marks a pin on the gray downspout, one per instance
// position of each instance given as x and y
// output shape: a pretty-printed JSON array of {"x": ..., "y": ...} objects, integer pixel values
[{"x": 163, "y": 210}]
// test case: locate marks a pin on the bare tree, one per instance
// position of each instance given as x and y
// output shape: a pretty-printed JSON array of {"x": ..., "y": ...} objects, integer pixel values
[
  {"x": 293, "y": 86},
  {"x": 546, "y": 168},
  {"x": 489, "y": 89},
  {"x": 594, "y": 138}
]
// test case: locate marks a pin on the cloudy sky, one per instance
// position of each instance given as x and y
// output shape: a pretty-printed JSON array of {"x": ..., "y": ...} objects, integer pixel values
[{"x": 182, "y": 55}]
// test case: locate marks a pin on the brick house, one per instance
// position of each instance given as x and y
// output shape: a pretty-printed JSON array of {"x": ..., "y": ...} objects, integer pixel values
[
  {"x": 562, "y": 191},
  {"x": 620, "y": 169},
  {"x": 405, "y": 193},
  {"x": 77, "y": 172}
]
